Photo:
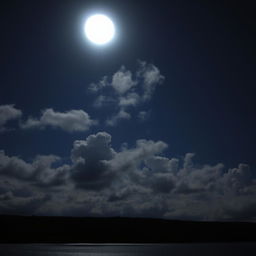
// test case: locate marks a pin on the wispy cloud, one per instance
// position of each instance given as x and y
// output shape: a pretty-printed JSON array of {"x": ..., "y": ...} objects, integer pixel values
[
  {"x": 7, "y": 113},
  {"x": 143, "y": 115},
  {"x": 151, "y": 78},
  {"x": 121, "y": 115}
]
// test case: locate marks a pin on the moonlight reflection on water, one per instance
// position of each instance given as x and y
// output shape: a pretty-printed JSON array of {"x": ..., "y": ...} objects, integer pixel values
[{"x": 236, "y": 249}]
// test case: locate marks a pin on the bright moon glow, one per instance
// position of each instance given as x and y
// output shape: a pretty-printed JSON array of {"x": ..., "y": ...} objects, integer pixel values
[{"x": 99, "y": 29}]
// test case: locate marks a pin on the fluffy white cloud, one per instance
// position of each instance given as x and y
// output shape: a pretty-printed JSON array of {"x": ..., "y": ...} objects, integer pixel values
[
  {"x": 7, "y": 113},
  {"x": 122, "y": 81},
  {"x": 70, "y": 121},
  {"x": 127, "y": 90}
]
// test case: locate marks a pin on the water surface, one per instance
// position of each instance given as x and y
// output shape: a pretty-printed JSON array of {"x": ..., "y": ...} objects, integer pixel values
[{"x": 219, "y": 249}]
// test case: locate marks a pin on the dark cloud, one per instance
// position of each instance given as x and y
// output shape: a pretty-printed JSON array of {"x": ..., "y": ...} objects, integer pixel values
[
  {"x": 135, "y": 181},
  {"x": 23, "y": 206},
  {"x": 70, "y": 121},
  {"x": 7, "y": 113},
  {"x": 89, "y": 170},
  {"x": 40, "y": 171}
]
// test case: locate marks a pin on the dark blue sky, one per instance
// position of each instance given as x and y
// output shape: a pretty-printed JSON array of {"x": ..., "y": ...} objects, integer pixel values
[{"x": 205, "y": 51}]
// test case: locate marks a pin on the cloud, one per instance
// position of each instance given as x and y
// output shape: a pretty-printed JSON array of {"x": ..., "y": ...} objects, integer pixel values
[
  {"x": 95, "y": 87},
  {"x": 131, "y": 159},
  {"x": 238, "y": 178},
  {"x": 122, "y": 81},
  {"x": 151, "y": 78},
  {"x": 70, "y": 121},
  {"x": 40, "y": 171},
  {"x": 22, "y": 206},
  {"x": 122, "y": 114},
  {"x": 131, "y": 99},
  {"x": 143, "y": 115},
  {"x": 138, "y": 180},
  {"x": 103, "y": 100},
  {"x": 126, "y": 90},
  {"x": 89, "y": 170},
  {"x": 14, "y": 166},
  {"x": 7, "y": 113}
]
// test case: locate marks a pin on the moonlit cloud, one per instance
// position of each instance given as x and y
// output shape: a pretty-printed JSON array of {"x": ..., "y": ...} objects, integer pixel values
[
  {"x": 89, "y": 170},
  {"x": 39, "y": 170},
  {"x": 122, "y": 81},
  {"x": 126, "y": 90},
  {"x": 151, "y": 78},
  {"x": 143, "y": 115},
  {"x": 122, "y": 114},
  {"x": 137, "y": 180},
  {"x": 95, "y": 87},
  {"x": 131, "y": 99},
  {"x": 103, "y": 100},
  {"x": 70, "y": 121},
  {"x": 7, "y": 113},
  {"x": 157, "y": 123}
]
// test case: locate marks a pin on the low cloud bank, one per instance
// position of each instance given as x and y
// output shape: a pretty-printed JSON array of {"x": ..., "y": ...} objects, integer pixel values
[{"x": 135, "y": 181}]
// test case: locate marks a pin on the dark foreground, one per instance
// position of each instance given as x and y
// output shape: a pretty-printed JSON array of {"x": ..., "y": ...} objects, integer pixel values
[
  {"x": 213, "y": 249},
  {"x": 18, "y": 229}
]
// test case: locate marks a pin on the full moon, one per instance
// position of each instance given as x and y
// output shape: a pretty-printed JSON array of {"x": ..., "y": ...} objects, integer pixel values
[{"x": 99, "y": 29}]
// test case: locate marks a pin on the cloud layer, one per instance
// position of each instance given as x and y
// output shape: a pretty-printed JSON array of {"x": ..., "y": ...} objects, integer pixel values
[{"x": 135, "y": 181}]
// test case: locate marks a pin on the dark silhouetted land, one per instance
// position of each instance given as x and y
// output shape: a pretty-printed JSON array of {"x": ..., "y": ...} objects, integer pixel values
[{"x": 21, "y": 229}]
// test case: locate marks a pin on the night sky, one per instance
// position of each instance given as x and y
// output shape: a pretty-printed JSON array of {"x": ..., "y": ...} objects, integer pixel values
[{"x": 160, "y": 122}]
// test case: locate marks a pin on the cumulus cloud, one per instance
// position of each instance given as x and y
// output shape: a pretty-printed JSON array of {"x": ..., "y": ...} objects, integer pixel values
[
  {"x": 70, "y": 121},
  {"x": 39, "y": 171},
  {"x": 136, "y": 180},
  {"x": 126, "y": 90},
  {"x": 122, "y": 81},
  {"x": 89, "y": 170},
  {"x": 7, "y": 113},
  {"x": 131, "y": 159}
]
